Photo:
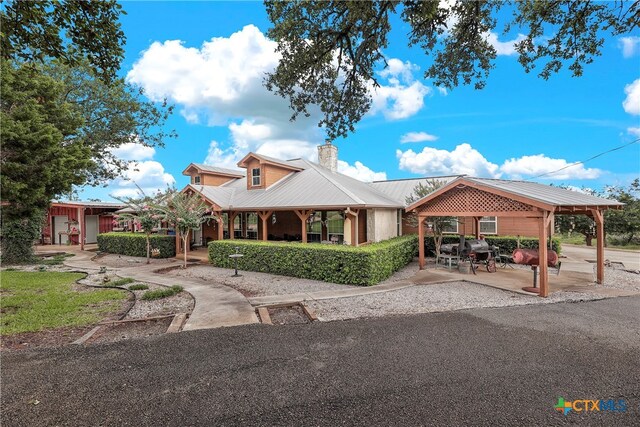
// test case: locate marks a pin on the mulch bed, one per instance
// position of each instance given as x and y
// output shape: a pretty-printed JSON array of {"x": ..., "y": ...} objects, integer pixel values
[
  {"x": 293, "y": 315},
  {"x": 50, "y": 338},
  {"x": 128, "y": 330}
]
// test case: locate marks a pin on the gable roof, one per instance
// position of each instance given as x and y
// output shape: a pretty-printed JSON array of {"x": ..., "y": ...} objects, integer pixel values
[
  {"x": 87, "y": 204},
  {"x": 311, "y": 186},
  {"x": 532, "y": 193},
  {"x": 268, "y": 160},
  {"x": 400, "y": 189},
  {"x": 214, "y": 169}
]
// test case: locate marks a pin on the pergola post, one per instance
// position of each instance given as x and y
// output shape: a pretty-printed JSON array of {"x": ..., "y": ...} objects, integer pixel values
[
  {"x": 81, "y": 225},
  {"x": 476, "y": 226},
  {"x": 543, "y": 269},
  {"x": 421, "y": 242},
  {"x": 599, "y": 219},
  {"x": 353, "y": 225},
  {"x": 264, "y": 216},
  {"x": 304, "y": 216}
]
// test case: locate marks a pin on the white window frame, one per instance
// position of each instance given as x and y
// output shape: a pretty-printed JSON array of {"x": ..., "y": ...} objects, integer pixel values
[
  {"x": 454, "y": 224},
  {"x": 196, "y": 179},
  {"x": 488, "y": 220},
  {"x": 255, "y": 175}
]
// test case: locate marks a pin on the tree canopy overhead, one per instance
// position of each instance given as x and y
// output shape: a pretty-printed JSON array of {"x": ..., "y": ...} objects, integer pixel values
[
  {"x": 330, "y": 49},
  {"x": 68, "y": 30}
]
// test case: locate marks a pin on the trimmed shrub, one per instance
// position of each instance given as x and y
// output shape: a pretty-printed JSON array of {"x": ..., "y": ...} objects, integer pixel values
[
  {"x": 364, "y": 265},
  {"x": 17, "y": 236},
  {"x": 507, "y": 244},
  {"x": 119, "y": 282},
  {"x": 135, "y": 244},
  {"x": 162, "y": 293}
]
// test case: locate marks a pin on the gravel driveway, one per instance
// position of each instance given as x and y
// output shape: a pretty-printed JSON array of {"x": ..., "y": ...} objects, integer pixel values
[
  {"x": 432, "y": 298},
  {"x": 253, "y": 284}
]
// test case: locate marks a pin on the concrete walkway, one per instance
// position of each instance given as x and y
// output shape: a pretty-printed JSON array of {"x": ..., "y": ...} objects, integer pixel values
[{"x": 215, "y": 305}]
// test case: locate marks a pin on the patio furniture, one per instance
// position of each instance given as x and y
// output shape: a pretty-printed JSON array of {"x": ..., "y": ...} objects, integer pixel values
[
  {"x": 504, "y": 260},
  {"x": 448, "y": 260}
]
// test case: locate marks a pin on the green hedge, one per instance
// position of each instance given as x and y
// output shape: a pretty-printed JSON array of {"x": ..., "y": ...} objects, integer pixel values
[
  {"x": 135, "y": 244},
  {"x": 507, "y": 244},
  {"x": 364, "y": 265}
]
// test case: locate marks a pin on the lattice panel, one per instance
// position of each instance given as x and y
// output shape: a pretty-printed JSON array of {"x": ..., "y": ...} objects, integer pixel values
[{"x": 469, "y": 199}]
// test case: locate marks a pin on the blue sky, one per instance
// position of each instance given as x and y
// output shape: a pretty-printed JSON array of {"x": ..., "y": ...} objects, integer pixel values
[{"x": 208, "y": 58}]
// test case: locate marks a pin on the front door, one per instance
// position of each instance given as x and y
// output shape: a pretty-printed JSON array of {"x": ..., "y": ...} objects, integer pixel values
[
  {"x": 91, "y": 227},
  {"x": 197, "y": 237},
  {"x": 60, "y": 224}
]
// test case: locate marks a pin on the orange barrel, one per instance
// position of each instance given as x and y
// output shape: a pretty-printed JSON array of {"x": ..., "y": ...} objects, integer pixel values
[{"x": 530, "y": 257}]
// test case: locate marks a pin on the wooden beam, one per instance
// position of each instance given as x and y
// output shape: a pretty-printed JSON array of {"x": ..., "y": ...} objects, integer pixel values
[
  {"x": 304, "y": 216},
  {"x": 82, "y": 234},
  {"x": 220, "y": 222},
  {"x": 476, "y": 226},
  {"x": 514, "y": 214},
  {"x": 421, "y": 243},
  {"x": 543, "y": 270},
  {"x": 264, "y": 216},
  {"x": 599, "y": 219}
]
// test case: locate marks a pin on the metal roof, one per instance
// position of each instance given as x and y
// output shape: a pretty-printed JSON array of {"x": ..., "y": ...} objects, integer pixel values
[
  {"x": 548, "y": 194},
  {"x": 216, "y": 169},
  {"x": 400, "y": 189},
  {"x": 312, "y": 187},
  {"x": 88, "y": 204}
]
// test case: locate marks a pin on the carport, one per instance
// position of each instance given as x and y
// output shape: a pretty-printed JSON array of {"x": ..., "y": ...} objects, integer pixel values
[{"x": 480, "y": 197}]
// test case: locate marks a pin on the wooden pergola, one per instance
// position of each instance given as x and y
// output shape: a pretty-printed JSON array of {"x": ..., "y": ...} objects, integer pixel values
[{"x": 470, "y": 197}]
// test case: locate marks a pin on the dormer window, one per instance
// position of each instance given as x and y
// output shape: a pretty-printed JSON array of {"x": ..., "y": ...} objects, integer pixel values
[
  {"x": 255, "y": 177},
  {"x": 196, "y": 179}
]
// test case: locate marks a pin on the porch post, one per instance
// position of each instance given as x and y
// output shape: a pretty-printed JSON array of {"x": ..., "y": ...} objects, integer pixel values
[
  {"x": 304, "y": 216},
  {"x": 542, "y": 255},
  {"x": 178, "y": 242},
  {"x": 264, "y": 215},
  {"x": 421, "y": 242},
  {"x": 599, "y": 219},
  {"x": 81, "y": 225},
  {"x": 220, "y": 227}
]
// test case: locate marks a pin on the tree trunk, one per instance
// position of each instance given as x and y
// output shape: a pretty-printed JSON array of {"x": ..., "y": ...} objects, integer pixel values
[
  {"x": 588, "y": 238},
  {"x": 148, "y": 250},
  {"x": 186, "y": 248}
]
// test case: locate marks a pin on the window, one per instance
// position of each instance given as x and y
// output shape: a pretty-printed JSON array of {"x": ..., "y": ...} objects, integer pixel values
[
  {"x": 255, "y": 177},
  {"x": 252, "y": 226},
  {"x": 335, "y": 226},
  {"x": 237, "y": 226},
  {"x": 399, "y": 223},
  {"x": 196, "y": 179},
  {"x": 314, "y": 227},
  {"x": 452, "y": 227},
  {"x": 489, "y": 225}
]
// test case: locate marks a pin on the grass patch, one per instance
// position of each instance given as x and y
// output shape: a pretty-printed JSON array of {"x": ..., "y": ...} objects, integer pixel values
[
  {"x": 55, "y": 260},
  {"x": 119, "y": 282},
  {"x": 162, "y": 293},
  {"x": 138, "y": 287},
  {"x": 35, "y": 301}
]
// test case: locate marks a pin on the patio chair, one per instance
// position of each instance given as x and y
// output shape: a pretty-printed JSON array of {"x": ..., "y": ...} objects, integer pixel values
[{"x": 504, "y": 260}]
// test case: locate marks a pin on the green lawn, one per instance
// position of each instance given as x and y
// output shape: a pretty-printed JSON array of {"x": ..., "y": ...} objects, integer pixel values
[
  {"x": 579, "y": 239},
  {"x": 34, "y": 301}
]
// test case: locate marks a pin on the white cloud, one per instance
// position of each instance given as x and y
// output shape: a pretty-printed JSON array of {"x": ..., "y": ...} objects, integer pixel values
[
  {"x": 634, "y": 131},
  {"x": 221, "y": 84},
  {"x": 465, "y": 159},
  {"x": 631, "y": 104},
  {"x": 133, "y": 151},
  {"x": 148, "y": 175},
  {"x": 442, "y": 90},
  {"x": 360, "y": 172},
  {"x": 630, "y": 46},
  {"x": 506, "y": 48},
  {"x": 530, "y": 166},
  {"x": 417, "y": 137},
  {"x": 403, "y": 96},
  {"x": 462, "y": 160}
]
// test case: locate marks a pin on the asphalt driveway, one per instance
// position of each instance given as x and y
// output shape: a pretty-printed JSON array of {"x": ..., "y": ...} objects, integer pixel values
[{"x": 505, "y": 366}]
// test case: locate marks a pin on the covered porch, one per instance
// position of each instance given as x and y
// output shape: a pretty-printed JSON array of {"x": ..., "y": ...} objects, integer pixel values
[{"x": 477, "y": 198}]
